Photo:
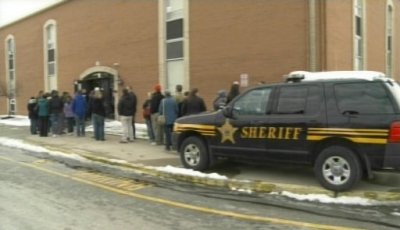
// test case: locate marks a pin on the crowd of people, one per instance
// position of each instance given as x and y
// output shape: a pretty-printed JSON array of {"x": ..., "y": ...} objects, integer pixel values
[{"x": 65, "y": 114}]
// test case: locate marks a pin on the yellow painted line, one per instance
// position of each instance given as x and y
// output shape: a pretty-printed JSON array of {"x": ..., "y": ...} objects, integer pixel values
[
  {"x": 359, "y": 140},
  {"x": 246, "y": 217},
  {"x": 125, "y": 184},
  {"x": 349, "y": 130},
  {"x": 349, "y": 133},
  {"x": 194, "y": 126}
]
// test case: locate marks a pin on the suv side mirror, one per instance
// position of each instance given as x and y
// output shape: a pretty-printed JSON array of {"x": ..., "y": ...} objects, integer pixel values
[{"x": 227, "y": 111}]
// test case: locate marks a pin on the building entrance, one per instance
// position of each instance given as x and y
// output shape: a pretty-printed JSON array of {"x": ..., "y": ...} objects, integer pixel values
[{"x": 104, "y": 82}]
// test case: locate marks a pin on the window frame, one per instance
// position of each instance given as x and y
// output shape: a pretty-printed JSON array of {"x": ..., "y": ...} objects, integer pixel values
[
  {"x": 359, "y": 55},
  {"x": 269, "y": 90}
]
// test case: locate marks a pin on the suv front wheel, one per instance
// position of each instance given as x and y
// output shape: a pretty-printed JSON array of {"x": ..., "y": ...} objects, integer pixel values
[
  {"x": 337, "y": 168},
  {"x": 194, "y": 154}
]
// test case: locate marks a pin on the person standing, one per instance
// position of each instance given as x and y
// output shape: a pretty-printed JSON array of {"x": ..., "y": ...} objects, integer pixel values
[
  {"x": 125, "y": 111},
  {"x": 69, "y": 114},
  {"x": 79, "y": 109},
  {"x": 193, "y": 104},
  {"x": 220, "y": 101},
  {"x": 179, "y": 97},
  {"x": 98, "y": 111},
  {"x": 134, "y": 110},
  {"x": 147, "y": 118},
  {"x": 154, "y": 105},
  {"x": 56, "y": 110},
  {"x": 233, "y": 92},
  {"x": 168, "y": 108},
  {"x": 43, "y": 113},
  {"x": 33, "y": 115}
]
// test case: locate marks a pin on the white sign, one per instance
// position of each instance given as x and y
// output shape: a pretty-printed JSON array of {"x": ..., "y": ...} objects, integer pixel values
[{"x": 244, "y": 80}]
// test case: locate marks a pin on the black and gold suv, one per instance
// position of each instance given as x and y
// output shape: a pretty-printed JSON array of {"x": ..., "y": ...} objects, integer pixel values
[{"x": 344, "y": 124}]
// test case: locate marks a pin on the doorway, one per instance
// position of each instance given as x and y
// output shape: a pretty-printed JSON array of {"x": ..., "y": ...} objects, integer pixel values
[{"x": 105, "y": 83}]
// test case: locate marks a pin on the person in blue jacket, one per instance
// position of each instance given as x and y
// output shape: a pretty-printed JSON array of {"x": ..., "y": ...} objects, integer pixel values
[
  {"x": 79, "y": 110},
  {"x": 169, "y": 108}
]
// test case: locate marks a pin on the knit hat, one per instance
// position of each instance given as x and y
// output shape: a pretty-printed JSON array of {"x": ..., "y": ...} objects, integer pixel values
[{"x": 157, "y": 88}]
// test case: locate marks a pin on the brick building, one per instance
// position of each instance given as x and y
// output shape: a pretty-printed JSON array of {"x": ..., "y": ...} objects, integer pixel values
[{"x": 206, "y": 44}]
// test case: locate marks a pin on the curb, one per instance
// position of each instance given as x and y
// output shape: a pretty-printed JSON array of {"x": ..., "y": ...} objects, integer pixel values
[{"x": 245, "y": 186}]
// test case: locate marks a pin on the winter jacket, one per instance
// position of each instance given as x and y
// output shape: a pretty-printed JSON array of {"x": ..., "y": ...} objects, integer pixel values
[
  {"x": 43, "y": 107},
  {"x": 193, "y": 105},
  {"x": 32, "y": 109},
  {"x": 134, "y": 98},
  {"x": 68, "y": 110},
  {"x": 169, "y": 108},
  {"x": 220, "y": 101},
  {"x": 126, "y": 105},
  {"x": 146, "y": 109},
  {"x": 155, "y": 102},
  {"x": 97, "y": 107},
  {"x": 79, "y": 106},
  {"x": 56, "y": 105}
]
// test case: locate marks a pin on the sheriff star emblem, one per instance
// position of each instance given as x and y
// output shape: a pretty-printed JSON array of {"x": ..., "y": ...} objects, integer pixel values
[{"x": 227, "y": 131}]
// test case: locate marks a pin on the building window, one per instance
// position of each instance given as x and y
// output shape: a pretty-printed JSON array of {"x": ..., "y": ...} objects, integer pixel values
[
  {"x": 50, "y": 32},
  {"x": 50, "y": 58},
  {"x": 389, "y": 39},
  {"x": 11, "y": 77},
  {"x": 358, "y": 34}
]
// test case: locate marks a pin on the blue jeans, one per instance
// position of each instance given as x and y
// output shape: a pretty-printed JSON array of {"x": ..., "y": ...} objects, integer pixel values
[
  {"x": 34, "y": 125},
  {"x": 150, "y": 132},
  {"x": 168, "y": 135},
  {"x": 80, "y": 126},
  {"x": 98, "y": 126},
  {"x": 55, "y": 123}
]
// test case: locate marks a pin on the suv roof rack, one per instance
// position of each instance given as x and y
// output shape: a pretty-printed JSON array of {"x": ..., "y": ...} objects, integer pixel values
[{"x": 298, "y": 76}]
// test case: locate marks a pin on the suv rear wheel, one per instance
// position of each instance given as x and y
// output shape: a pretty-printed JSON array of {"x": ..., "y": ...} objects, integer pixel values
[
  {"x": 194, "y": 154},
  {"x": 337, "y": 168}
]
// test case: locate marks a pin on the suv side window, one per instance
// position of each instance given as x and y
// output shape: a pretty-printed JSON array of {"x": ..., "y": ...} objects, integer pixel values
[
  {"x": 299, "y": 100},
  {"x": 363, "y": 98},
  {"x": 253, "y": 103}
]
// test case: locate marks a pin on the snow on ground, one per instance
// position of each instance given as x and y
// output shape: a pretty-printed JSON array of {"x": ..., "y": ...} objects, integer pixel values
[{"x": 114, "y": 127}]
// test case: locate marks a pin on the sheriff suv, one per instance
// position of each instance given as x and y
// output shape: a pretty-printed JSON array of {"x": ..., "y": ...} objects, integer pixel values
[{"x": 344, "y": 124}]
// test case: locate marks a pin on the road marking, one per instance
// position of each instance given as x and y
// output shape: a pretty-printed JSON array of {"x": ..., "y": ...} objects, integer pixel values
[
  {"x": 121, "y": 183},
  {"x": 247, "y": 217}
]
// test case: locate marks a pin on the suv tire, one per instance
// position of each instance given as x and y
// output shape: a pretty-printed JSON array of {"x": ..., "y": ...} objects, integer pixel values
[
  {"x": 337, "y": 168},
  {"x": 194, "y": 154}
]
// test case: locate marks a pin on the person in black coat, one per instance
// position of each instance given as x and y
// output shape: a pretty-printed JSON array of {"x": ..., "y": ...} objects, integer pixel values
[
  {"x": 193, "y": 104},
  {"x": 233, "y": 92},
  {"x": 56, "y": 107},
  {"x": 155, "y": 101},
  {"x": 98, "y": 111},
  {"x": 33, "y": 115},
  {"x": 125, "y": 111},
  {"x": 134, "y": 110}
]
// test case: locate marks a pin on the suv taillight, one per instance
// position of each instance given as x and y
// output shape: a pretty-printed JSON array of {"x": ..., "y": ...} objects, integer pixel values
[{"x": 394, "y": 135}]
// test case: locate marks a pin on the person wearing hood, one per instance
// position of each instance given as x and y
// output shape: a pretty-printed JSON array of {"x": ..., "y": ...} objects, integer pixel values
[
  {"x": 33, "y": 115},
  {"x": 220, "y": 101}
]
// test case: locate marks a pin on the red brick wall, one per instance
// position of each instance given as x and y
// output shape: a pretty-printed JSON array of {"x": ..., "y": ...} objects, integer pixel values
[
  {"x": 124, "y": 32},
  {"x": 339, "y": 35},
  {"x": 265, "y": 39}
]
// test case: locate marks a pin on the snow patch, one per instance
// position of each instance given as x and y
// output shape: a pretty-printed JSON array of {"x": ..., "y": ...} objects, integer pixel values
[
  {"x": 190, "y": 172},
  {"x": 322, "y": 198}
]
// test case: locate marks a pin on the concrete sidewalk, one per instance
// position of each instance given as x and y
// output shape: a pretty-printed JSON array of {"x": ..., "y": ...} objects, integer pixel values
[{"x": 140, "y": 154}]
